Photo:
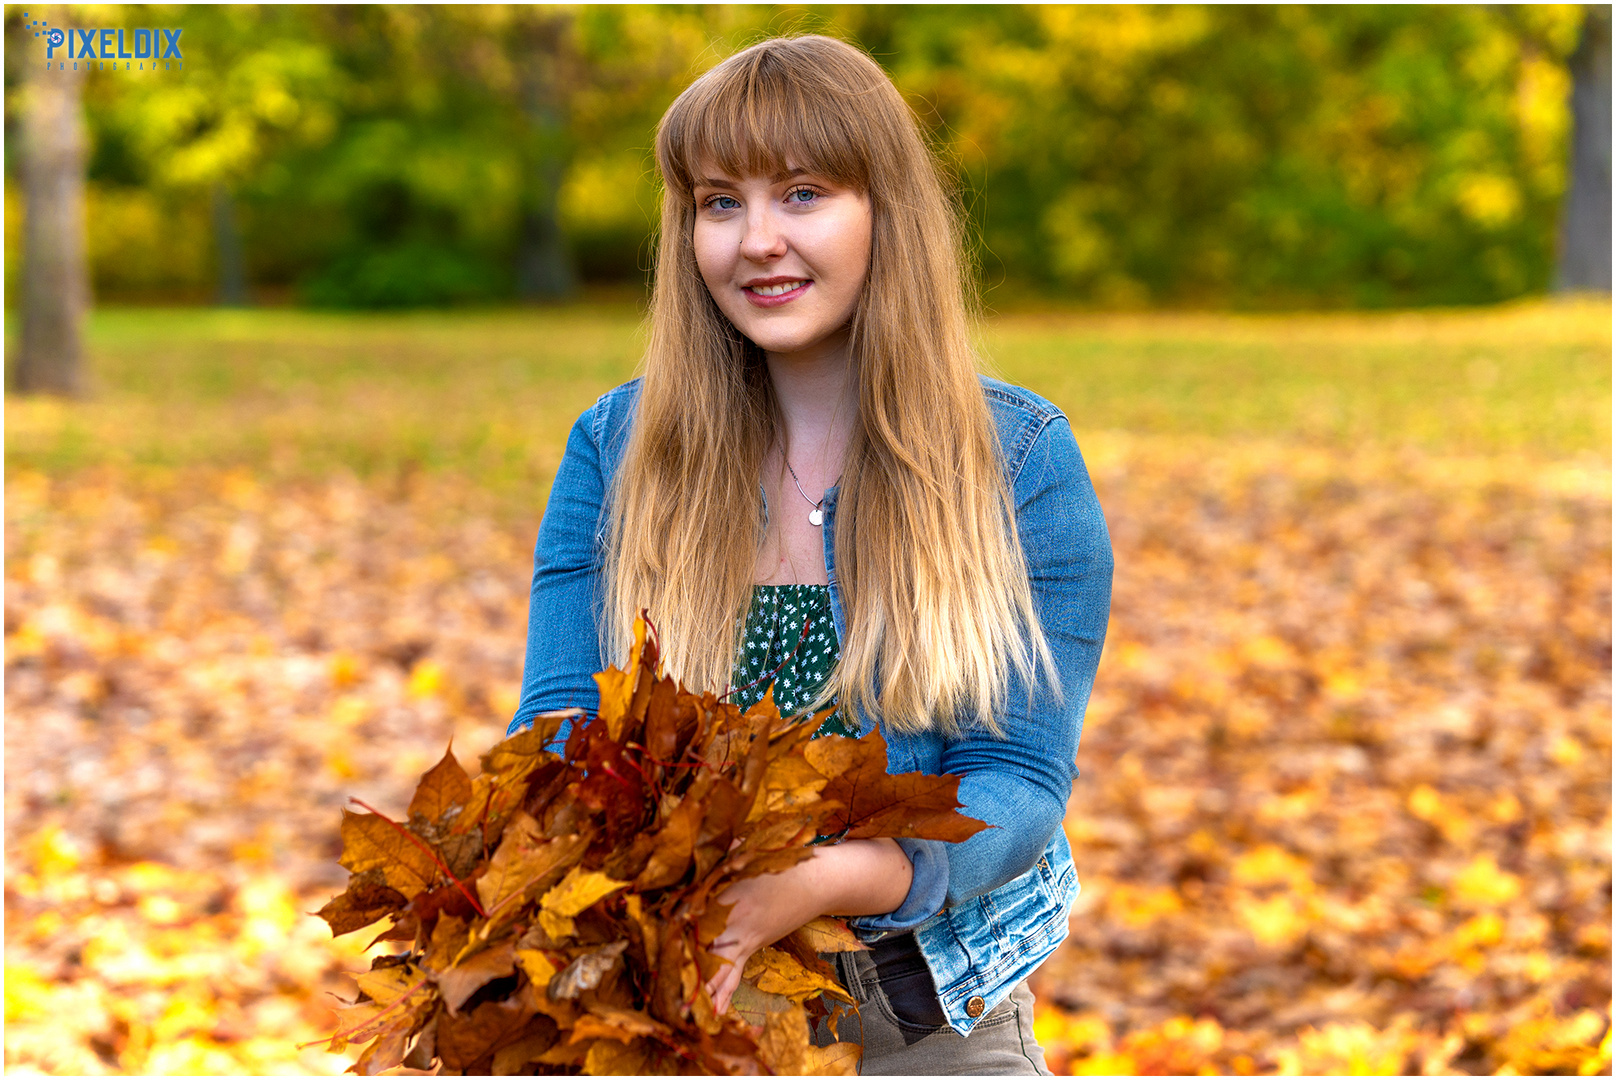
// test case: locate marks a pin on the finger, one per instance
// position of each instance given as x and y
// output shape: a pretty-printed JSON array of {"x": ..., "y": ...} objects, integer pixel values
[{"x": 726, "y": 992}]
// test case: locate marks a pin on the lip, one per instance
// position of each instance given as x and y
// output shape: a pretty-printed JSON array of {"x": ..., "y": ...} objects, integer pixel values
[{"x": 774, "y": 301}]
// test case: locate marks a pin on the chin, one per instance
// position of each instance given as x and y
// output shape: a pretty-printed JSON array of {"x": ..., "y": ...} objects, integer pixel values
[{"x": 774, "y": 341}]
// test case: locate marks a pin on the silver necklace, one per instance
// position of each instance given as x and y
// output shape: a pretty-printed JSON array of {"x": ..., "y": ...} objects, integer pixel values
[{"x": 816, "y": 516}]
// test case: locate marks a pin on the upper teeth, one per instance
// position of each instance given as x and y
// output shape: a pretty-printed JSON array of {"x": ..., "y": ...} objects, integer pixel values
[{"x": 775, "y": 290}]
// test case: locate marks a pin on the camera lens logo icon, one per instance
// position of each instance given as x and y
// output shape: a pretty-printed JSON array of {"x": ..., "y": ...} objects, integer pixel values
[{"x": 56, "y": 37}]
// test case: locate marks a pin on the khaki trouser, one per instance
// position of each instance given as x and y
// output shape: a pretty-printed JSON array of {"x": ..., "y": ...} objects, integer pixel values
[{"x": 897, "y": 1042}]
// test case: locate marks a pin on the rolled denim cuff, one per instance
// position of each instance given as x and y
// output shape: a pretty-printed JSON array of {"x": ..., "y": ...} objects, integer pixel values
[
  {"x": 927, "y": 891},
  {"x": 523, "y": 723}
]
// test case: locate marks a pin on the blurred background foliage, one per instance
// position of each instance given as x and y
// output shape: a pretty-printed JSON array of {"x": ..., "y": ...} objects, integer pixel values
[{"x": 403, "y": 156}]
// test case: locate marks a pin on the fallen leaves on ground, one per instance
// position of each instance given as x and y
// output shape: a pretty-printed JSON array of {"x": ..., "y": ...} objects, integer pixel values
[
  {"x": 1345, "y": 793},
  {"x": 599, "y": 873},
  {"x": 1346, "y": 799}
]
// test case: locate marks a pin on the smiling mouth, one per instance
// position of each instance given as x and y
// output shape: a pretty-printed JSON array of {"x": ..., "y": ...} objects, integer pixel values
[{"x": 779, "y": 289}]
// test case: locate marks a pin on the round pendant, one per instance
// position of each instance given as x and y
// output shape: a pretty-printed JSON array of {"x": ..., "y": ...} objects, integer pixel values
[{"x": 816, "y": 516}]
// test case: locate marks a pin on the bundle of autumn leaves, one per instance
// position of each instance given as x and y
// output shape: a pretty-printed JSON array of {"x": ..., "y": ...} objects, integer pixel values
[{"x": 561, "y": 908}]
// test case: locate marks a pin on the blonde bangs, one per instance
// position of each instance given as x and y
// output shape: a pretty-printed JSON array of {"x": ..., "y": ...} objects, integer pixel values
[
  {"x": 765, "y": 119},
  {"x": 938, "y": 609}
]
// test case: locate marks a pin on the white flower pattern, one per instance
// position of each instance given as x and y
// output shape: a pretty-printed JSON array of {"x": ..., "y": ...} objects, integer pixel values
[{"x": 774, "y": 628}]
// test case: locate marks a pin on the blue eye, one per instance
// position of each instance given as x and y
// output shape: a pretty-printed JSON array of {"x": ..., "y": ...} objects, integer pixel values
[
  {"x": 809, "y": 193},
  {"x": 721, "y": 202}
]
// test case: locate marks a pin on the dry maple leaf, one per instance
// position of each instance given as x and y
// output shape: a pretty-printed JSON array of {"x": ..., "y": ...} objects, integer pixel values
[{"x": 560, "y": 908}]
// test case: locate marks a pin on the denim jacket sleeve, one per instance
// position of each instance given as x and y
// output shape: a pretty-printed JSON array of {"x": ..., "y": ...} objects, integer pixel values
[
  {"x": 563, "y": 643},
  {"x": 1021, "y": 783}
]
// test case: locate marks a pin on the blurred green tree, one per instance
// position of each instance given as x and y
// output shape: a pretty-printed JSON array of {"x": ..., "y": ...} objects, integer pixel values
[
  {"x": 258, "y": 83},
  {"x": 1255, "y": 154},
  {"x": 1123, "y": 155}
]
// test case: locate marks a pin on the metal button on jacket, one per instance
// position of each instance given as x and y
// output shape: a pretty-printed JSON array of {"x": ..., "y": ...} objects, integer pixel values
[{"x": 974, "y": 1007}]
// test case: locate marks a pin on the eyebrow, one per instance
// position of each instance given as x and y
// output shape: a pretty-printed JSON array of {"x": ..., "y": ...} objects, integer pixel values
[{"x": 722, "y": 181}]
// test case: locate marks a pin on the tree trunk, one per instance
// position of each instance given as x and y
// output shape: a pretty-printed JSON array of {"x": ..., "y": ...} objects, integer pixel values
[
  {"x": 56, "y": 288},
  {"x": 227, "y": 247},
  {"x": 543, "y": 265},
  {"x": 1585, "y": 233}
]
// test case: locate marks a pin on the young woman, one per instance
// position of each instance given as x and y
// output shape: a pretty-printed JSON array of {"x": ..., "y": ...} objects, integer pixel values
[{"x": 811, "y": 445}]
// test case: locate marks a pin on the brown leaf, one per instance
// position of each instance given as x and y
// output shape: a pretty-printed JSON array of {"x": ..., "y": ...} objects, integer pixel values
[
  {"x": 877, "y": 803},
  {"x": 526, "y": 750},
  {"x": 370, "y": 841},
  {"x": 627, "y": 1021},
  {"x": 541, "y": 1036},
  {"x": 387, "y": 1049},
  {"x": 790, "y": 783},
  {"x": 675, "y": 846},
  {"x": 753, "y": 1005},
  {"x": 783, "y": 1044},
  {"x": 525, "y": 861},
  {"x": 837, "y": 1059},
  {"x": 827, "y": 934},
  {"x": 449, "y": 937},
  {"x": 608, "y": 1058},
  {"x": 670, "y": 720},
  {"x": 360, "y": 906},
  {"x": 445, "y": 789},
  {"x": 468, "y": 976},
  {"x": 425, "y": 1047},
  {"x": 463, "y": 1039}
]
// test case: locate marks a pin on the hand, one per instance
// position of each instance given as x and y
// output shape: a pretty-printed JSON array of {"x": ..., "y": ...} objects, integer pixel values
[{"x": 856, "y": 877}]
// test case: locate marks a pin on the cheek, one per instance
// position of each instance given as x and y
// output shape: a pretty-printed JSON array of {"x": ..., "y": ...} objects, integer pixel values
[
  {"x": 852, "y": 254},
  {"x": 713, "y": 255}
]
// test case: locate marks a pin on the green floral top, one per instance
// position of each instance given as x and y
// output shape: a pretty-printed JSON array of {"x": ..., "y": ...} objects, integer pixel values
[{"x": 774, "y": 638}]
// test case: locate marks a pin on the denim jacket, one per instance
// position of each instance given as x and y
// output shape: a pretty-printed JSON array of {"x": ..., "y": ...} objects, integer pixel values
[{"x": 987, "y": 911}]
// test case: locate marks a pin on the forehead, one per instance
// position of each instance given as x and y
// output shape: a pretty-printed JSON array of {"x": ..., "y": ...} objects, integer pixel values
[
  {"x": 749, "y": 130},
  {"x": 710, "y": 173}
]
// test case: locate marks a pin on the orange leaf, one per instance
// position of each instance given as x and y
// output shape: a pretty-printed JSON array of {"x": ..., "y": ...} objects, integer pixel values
[
  {"x": 524, "y": 861},
  {"x": 828, "y": 935},
  {"x": 370, "y": 842},
  {"x": 777, "y": 972},
  {"x": 443, "y": 789}
]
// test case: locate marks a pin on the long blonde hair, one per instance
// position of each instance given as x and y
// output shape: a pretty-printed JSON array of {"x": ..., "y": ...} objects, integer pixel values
[{"x": 938, "y": 607}]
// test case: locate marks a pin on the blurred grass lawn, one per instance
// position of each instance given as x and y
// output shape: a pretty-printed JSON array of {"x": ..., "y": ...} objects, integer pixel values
[{"x": 491, "y": 394}]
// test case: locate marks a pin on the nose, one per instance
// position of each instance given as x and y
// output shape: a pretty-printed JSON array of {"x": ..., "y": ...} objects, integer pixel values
[{"x": 763, "y": 241}]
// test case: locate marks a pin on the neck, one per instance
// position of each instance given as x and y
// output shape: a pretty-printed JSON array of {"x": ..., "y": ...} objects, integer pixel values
[{"x": 818, "y": 407}]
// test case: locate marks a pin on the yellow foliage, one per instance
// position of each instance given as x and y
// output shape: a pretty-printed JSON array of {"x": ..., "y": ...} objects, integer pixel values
[
  {"x": 27, "y": 994},
  {"x": 1546, "y": 1042},
  {"x": 1278, "y": 922},
  {"x": 1349, "y": 1049},
  {"x": 1269, "y": 864},
  {"x": 1483, "y": 884},
  {"x": 426, "y": 679},
  {"x": 1140, "y": 906},
  {"x": 54, "y": 853}
]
